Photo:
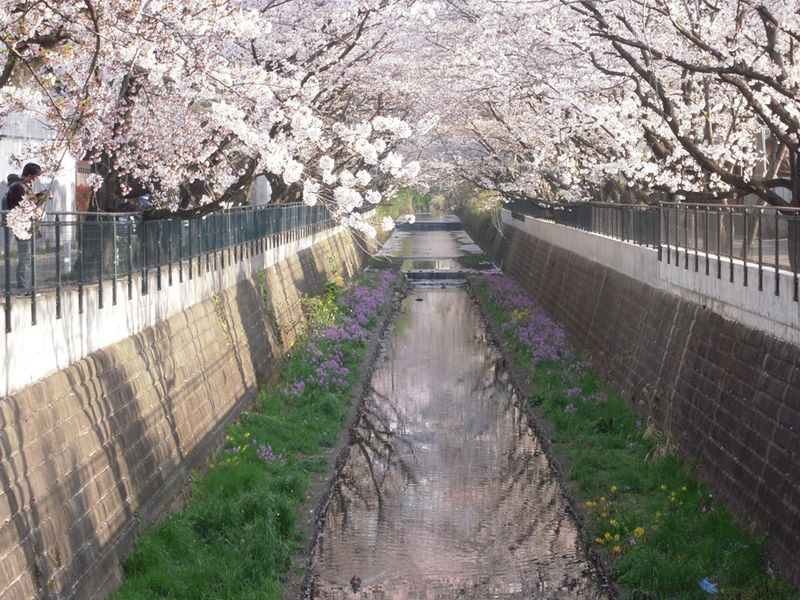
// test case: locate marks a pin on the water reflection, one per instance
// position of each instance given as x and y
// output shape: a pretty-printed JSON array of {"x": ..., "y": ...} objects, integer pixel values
[
  {"x": 429, "y": 244},
  {"x": 446, "y": 492}
]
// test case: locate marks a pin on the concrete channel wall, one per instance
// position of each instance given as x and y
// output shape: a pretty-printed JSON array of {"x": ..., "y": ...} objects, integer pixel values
[
  {"x": 726, "y": 392},
  {"x": 96, "y": 451},
  {"x": 57, "y": 342}
]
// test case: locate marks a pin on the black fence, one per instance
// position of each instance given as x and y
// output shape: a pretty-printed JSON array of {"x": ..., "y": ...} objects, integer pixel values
[
  {"x": 78, "y": 249},
  {"x": 638, "y": 224},
  {"x": 714, "y": 239}
]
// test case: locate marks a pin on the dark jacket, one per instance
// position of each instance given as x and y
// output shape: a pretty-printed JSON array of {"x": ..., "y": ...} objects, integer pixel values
[{"x": 16, "y": 194}]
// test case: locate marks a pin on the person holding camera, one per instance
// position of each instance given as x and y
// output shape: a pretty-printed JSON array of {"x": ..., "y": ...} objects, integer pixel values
[{"x": 21, "y": 194}]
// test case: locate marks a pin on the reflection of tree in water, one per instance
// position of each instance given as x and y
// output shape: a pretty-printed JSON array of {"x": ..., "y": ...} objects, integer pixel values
[
  {"x": 530, "y": 519},
  {"x": 446, "y": 490},
  {"x": 383, "y": 452}
]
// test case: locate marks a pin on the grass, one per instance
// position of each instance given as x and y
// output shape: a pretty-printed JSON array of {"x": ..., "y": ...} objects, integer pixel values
[
  {"x": 405, "y": 201},
  {"x": 472, "y": 261},
  {"x": 659, "y": 530},
  {"x": 237, "y": 536},
  {"x": 480, "y": 209},
  {"x": 385, "y": 262}
]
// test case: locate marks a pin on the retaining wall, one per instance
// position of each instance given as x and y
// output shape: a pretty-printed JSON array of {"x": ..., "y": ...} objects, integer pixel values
[
  {"x": 728, "y": 394},
  {"x": 95, "y": 452},
  {"x": 86, "y": 324}
]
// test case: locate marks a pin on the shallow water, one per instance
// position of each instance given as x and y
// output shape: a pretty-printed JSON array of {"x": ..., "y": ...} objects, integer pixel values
[{"x": 446, "y": 492}]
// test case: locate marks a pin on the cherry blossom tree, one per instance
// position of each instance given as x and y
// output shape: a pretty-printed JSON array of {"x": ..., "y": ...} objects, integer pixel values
[
  {"x": 190, "y": 103},
  {"x": 342, "y": 101},
  {"x": 710, "y": 79},
  {"x": 665, "y": 96}
]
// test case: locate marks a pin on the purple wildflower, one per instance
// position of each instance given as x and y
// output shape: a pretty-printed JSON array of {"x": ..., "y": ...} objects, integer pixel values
[
  {"x": 266, "y": 454},
  {"x": 296, "y": 388},
  {"x": 543, "y": 337}
]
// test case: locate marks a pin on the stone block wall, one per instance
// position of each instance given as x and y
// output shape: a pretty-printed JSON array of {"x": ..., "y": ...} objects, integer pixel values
[
  {"x": 728, "y": 395},
  {"x": 96, "y": 452}
]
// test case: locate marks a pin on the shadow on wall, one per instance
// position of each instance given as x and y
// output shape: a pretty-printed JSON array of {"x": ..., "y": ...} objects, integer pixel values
[
  {"x": 728, "y": 395},
  {"x": 96, "y": 452}
]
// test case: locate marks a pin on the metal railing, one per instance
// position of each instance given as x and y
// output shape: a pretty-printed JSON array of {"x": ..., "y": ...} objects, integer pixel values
[
  {"x": 74, "y": 250},
  {"x": 638, "y": 224},
  {"x": 715, "y": 239}
]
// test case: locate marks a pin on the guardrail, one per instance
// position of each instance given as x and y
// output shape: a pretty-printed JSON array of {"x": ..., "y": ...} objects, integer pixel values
[
  {"x": 638, "y": 224},
  {"x": 78, "y": 249},
  {"x": 718, "y": 240}
]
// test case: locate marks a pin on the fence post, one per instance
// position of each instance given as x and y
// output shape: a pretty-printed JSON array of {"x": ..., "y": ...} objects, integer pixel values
[
  {"x": 686, "y": 214},
  {"x": 81, "y": 248},
  {"x": 143, "y": 253},
  {"x": 190, "y": 221},
  {"x": 696, "y": 246},
  {"x": 705, "y": 237},
  {"x": 58, "y": 265},
  {"x": 745, "y": 248},
  {"x": 793, "y": 251},
  {"x": 180, "y": 250},
  {"x": 7, "y": 264},
  {"x": 114, "y": 263},
  {"x": 99, "y": 261},
  {"x": 159, "y": 237},
  {"x": 777, "y": 259},
  {"x": 760, "y": 252},
  {"x": 730, "y": 240},
  {"x": 170, "y": 232},
  {"x": 657, "y": 223},
  {"x": 719, "y": 243},
  {"x": 131, "y": 221}
]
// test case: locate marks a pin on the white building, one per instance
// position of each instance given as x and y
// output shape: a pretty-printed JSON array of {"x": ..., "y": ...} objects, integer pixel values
[{"x": 20, "y": 137}]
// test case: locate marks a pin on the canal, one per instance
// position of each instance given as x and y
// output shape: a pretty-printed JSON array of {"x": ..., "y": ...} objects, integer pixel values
[{"x": 446, "y": 492}]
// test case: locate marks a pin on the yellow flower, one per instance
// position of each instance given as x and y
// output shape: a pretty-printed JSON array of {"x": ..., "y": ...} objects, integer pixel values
[
  {"x": 599, "y": 540},
  {"x": 614, "y": 489},
  {"x": 607, "y": 536},
  {"x": 613, "y": 523},
  {"x": 602, "y": 498},
  {"x": 639, "y": 532},
  {"x": 616, "y": 537},
  {"x": 663, "y": 487},
  {"x": 684, "y": 488},
  {"x": 247, "y": 434},
  {"x": 617, "y": 549},
  {"x": 591, "y": 503}
]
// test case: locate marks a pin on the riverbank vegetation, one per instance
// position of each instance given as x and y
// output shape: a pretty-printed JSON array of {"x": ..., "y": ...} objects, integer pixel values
[
  {"x": 405, "y": 201},
  {"x": 659, "y": 531},
  {"x": 237, "y": 536}
]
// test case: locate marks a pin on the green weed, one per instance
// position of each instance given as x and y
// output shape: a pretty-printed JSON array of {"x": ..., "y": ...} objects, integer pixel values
[
  {"x": 237, "y": 536},
  {"x": 659, "y": 529}
]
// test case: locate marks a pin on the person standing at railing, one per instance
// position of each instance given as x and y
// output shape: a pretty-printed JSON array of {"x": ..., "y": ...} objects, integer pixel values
[{"x": 25, "y": 207}]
